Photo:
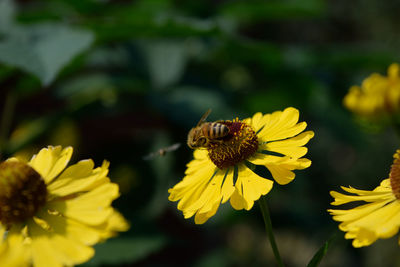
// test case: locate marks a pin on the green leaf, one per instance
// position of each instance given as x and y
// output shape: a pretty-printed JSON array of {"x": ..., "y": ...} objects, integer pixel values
[
  {"x": 121, "y": 250},
  {"x": 166, "y": 61},
  {"x": 315, "y": 261},
  {"x": 44, "y": 49}
]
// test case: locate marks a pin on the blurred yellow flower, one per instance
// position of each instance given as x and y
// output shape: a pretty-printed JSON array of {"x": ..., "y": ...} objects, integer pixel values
[
  {"x": 378, "y": 95},
  {"x": 225, "y": 170},
  {"x": 379, "y": 217},
  {"x": 58, "y": 213}
]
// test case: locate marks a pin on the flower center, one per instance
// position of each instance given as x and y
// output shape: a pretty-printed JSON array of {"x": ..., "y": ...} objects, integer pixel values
[
  {"x": 22, "y": 192},
  {"x": 395, "y": 175},
  {"x": 238, "y": 145}
]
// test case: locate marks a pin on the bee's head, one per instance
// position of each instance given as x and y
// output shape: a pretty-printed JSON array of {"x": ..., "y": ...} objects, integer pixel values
[{"x": 196, "y": 139}]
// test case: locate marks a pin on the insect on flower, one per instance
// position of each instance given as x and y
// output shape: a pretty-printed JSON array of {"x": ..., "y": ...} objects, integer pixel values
[
  {"x": 207, "y": 133},
  {"x": 162, "y": 151},
  {"x": 224, "y": 153}
]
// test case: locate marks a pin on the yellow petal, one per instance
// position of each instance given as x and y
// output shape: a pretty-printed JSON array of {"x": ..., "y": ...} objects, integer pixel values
[
  {"x": 237, "y": 201},
  {"x": 197, "y": 179},
  {"x": 357, "y": 212},
  {"x": 200, "y": 154},
  {"x": 204, "y": 194},
  {"x": 391, "y": 226},
  {"x": 341, "y": 199},
  {"x": 115, "y": 223},
  {"x": 249, "y": 188},
  {"x": 257, "y": 122},
  {"x": 378, "y": 218},
  {"x": 71, "y": 229},
  {"x": 51, "y": 249},
  {"x": 49, "y": 162},
  {"x": 281, "y": 125},
  {"x": 211, "y": 195},
  {"x": 280, "y": 167},
  {"x": 263, "y": 159},
  {"x": 92, "y": 208},
  {"x": 228, "y": 187},
  {"x": 364, "y": 238},
  {"x": 13, "y": 253},
  {"x": 381, "y": 223},
  {"x": 292, "y": 147},
  {"x": 201, "y": 218},
  {"x": 79, "y": 177}
]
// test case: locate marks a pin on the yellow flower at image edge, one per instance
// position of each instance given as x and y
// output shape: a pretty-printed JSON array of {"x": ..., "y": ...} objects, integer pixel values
[
  {"x": 56, "y": 212},
  {"x": 378, "y": 218},
  {"x": 378, "y": 95},
  {"x": 224, "y": 171}
]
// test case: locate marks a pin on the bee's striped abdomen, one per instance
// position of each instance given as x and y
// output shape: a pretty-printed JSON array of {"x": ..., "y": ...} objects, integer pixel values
[{"x": 218, "y": 130}]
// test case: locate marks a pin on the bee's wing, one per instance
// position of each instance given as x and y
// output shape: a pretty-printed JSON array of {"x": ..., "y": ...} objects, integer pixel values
[
  {"x": 151, "y": 155},
  {"x": 162, "y": 151},
  {"x": 172, "y": 147},
  {"x": 204, "y": 117}
]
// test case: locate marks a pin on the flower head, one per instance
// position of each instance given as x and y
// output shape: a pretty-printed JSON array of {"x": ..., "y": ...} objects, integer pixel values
[
  {"x": 378, "y": 95},
  {"x": 379, "y": 217},
  {"x": 224, "y": 171},
  {"x": 55, "y": 214}
]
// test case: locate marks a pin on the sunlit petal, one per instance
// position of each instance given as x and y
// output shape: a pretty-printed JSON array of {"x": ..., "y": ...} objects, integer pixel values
[{"x": 49, "y": 162}]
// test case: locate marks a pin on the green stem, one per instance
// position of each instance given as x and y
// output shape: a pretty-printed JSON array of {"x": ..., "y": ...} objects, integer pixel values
[
  {"x": 6, "y": 118},
  {"x": 268, "y": 226}
]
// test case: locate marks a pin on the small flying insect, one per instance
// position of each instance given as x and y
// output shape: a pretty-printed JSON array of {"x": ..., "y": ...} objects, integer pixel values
[
  {"x": 206, "y": 133},
  {"x": 162, "y": 151}
]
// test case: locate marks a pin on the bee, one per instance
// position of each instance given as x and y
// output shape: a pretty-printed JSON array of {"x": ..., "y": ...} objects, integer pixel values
[
  {"x": 206, "y": 133},
  {"x": 162, "y": 151}
]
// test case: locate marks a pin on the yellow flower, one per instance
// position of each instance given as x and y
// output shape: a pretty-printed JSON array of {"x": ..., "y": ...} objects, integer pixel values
[
  {"x": 378, "y": 95},
  {"x": 57, "y": 213},
  {"x": 224, "y": 171},
  {"x": 379, "y": 217},
  {"x": 12, "y": 251}
]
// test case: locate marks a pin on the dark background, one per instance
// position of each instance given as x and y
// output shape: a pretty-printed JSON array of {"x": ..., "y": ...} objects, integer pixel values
[{"x": 120, "y": 79}]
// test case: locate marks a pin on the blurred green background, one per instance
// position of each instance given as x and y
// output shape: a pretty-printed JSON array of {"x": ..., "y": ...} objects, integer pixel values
[{"x": 119, "y": 79}]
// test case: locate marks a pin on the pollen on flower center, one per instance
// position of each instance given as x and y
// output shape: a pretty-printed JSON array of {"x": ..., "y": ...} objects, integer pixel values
[
  {"x": 238, "y": 145},
  {"x": 395, "y": 175},
  {"x": 22, "y": 192}
]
